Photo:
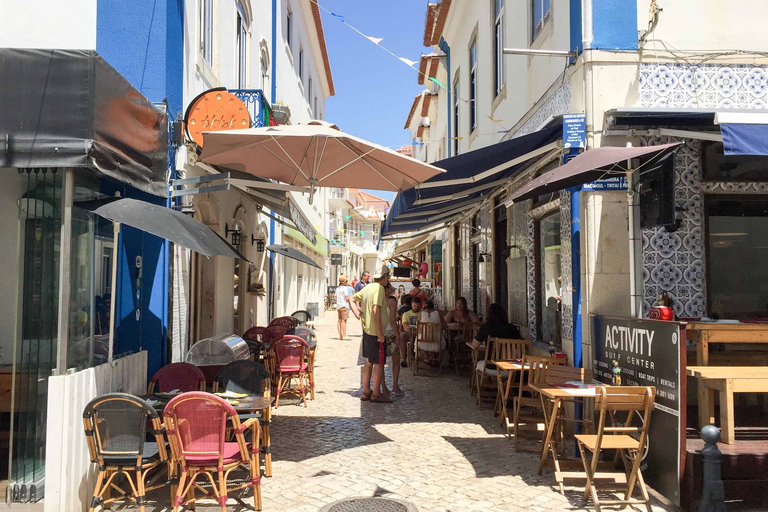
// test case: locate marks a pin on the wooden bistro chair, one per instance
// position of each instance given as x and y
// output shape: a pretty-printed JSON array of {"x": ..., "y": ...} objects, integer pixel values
[
  {"x": 534, "y": 372},
  {"x": 116, "y": 428},
  {"x": 427, "y": 345},
  {"x": 497, "y": 349},
  {"x": 182, "y": 376},
  {"x": 466, "y": 334},
  {"x": 291, "y": 354},
  {"x": 623, "y": 435},
  {"x": 196, "y": 424}
]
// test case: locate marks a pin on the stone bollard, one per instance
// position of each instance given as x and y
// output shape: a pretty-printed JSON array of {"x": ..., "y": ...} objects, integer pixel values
[{"x": 713, "y": 490}]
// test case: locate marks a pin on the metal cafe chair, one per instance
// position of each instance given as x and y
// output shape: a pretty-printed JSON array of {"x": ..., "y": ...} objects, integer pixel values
[
  {"x": 181, "y": 376},
  {"x": 116, "y": 428},
  {"x": 622, "y": 435},
  {"x": 196, "y": 424}
]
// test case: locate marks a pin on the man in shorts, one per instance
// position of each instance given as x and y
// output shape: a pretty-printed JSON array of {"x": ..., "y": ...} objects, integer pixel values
[
  {"x": 374, "y": 317},
  {"x": 343, "y": 293}
]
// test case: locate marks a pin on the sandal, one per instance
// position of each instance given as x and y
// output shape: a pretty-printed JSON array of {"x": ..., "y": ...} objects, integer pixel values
[
  {"x": 381, "y": 400},
  {"x": 365, "y": 398}
]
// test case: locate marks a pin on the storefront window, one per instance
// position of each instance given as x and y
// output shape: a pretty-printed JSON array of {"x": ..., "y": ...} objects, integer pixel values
[
  {"x": 717, "y": 166},
  {"x": 737, "y": 257},
  {"x": 550, "y": 279}
]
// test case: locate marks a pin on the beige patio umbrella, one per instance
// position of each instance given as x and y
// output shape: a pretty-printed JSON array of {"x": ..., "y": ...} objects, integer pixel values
[{"x": 316, "y": 154}]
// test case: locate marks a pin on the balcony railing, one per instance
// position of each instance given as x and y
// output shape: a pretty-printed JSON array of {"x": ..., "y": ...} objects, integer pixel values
[
  {"x": 339, "y": 193},
  {"x": 258, "y": 106}
]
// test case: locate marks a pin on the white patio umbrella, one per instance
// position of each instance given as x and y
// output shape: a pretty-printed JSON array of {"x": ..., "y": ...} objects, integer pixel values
[{"x": 314, "y": 154}]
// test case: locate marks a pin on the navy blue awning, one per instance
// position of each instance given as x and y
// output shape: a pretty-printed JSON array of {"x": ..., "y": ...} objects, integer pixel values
[
  {"x": 745, "y": 139},
  {"x": 469, "y": 177}
]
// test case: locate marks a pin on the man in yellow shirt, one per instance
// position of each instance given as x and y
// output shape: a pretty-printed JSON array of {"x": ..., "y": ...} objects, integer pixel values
[{"x": 374, "y": 317}]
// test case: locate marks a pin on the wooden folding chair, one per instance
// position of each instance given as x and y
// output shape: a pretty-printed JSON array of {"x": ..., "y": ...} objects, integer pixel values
[
  {"x": 427, "y": 345},
  {"x": 497, "y": 349},
  {"x": 629, "y": 441},
  {"x": 534, "y": 372},
  {"x": 466, "y": 334}
]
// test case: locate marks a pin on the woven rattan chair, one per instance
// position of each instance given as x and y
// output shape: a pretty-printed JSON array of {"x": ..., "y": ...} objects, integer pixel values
[
  {"x": 309, "y": 336},
  {"x": 291, "y": 355},
  {"x": 301, "y": 317},
  {"x": 285, "y": 321},
  {"x": 116, "y": 428},
  {"x": 625, "y": 436},
  {"x": 196, "y": 424},
  {"x": 181, "y": 376},
  {"x": 258, "y": 340}
]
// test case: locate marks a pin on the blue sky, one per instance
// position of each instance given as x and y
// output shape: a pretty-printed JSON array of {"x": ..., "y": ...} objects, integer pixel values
[{"x": 374, "y": 90}]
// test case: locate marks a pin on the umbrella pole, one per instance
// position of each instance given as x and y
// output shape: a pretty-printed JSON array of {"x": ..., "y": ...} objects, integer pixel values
[
  {"x": 116, "y": 240},
  {"x": 635, "y": 243}
]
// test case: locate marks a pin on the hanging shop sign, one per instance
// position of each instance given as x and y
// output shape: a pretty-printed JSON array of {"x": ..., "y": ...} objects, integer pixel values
[
  {"x": 613, "y": 183},
  {"x": 649, "y": 353},
  {"x": 574, "y": 131},
  {"x": 303, "y": 225},
  {"x": 336, "y": 259},
  {"x": 215, "y": 110}
]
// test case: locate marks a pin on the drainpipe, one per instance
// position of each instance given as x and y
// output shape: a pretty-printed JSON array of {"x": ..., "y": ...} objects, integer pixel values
[
  {"x": 273, "y": 98},
  {"x": 443, "y": 45}
]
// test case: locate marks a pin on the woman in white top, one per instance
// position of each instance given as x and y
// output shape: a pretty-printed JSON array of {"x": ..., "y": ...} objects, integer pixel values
[
  {"x": 343, "y": 305},
  {"x": 430, "y": 315}
]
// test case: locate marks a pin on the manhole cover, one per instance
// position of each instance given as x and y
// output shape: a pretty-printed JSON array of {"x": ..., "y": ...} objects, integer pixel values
[{"x": 369, "y": 505}]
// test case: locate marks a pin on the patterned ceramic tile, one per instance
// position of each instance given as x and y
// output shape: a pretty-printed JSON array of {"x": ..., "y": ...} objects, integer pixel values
[
  {"x": 566, "y": 263},
  {"x": 557, "y": 104}
]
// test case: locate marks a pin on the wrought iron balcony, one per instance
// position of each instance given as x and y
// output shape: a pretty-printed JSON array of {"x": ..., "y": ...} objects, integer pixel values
[{"x": 258, "y": 106}]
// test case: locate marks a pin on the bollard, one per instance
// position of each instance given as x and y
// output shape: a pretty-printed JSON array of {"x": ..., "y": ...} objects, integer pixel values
[{"x": 713, "y": 490}]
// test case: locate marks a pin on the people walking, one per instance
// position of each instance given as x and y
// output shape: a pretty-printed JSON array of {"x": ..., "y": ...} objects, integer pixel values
[
  {"x": 364, "y": 279},
  {"x": 343, "y": 305},
  {"x": 374, "y": 317},
  {"x": 418, "y": 291}
]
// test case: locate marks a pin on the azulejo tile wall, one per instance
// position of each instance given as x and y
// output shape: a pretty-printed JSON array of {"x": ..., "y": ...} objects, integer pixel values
[
  {"x": 674, "y": 262},
  {"x": 533, "y": 215}
]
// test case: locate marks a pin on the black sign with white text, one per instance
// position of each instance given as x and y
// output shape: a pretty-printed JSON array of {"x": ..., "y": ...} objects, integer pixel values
[{"x": 649, "y": 353}]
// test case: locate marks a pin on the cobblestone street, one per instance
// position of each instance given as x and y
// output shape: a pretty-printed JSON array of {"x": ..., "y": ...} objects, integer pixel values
[{"x": 433, "y": 447}]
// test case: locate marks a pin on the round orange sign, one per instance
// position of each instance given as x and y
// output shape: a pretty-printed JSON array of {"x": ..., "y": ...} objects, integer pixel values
[{"x": 214, "y": 111}]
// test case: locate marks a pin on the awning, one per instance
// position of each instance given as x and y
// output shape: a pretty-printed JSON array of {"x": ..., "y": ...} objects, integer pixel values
[
  {"x": 319, "y": 245},
  {"x": 412, "y": 245},
  {"x": 589, "y": 166},
  {"x": 469, "y": 178},
  {"x": 69, "y": 108},
  {"x": 290, "y": 252},
  {"x": 744, "y": 133},
  {"x": 163, "y": 222}
]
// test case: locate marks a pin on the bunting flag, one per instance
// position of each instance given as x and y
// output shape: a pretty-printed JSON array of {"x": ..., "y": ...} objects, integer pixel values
[
  {"x": 407, "y": 61},
  {"x": 336, "y": 15},
  {"x": 374, "y": 40},
  {"x": 438, "y": 82}
]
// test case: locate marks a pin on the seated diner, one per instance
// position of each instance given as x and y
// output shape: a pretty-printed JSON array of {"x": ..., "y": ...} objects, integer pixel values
[
  {"x": 461, "y": 313},
  {"x": 496, "y": 326}
]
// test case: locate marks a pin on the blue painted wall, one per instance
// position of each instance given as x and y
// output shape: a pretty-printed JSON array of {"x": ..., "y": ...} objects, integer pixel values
[
  {"x": 614, "y": 25},
  {"x": 143, "y": 40},
  {"x": 575, "y": 25}
]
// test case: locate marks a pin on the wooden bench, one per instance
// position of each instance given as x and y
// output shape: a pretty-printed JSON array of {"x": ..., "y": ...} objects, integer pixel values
[{"x": 725, "y": 381}]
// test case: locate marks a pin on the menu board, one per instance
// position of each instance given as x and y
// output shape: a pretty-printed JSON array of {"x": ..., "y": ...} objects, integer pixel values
[{"x": 649, "y": 353}]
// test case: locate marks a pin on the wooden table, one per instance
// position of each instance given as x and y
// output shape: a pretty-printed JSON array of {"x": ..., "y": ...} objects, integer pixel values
[
  {"x": 556, "y": 395},
  {"x": 511, "y": 367},
  {"x": 705, "y": 333},
  {"x": 725, "y": 381},
  {"x": 248, "y": 405}
]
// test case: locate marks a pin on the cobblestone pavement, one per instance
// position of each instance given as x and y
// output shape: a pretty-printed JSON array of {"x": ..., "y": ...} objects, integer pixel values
[{"x": 433, "y": 447}]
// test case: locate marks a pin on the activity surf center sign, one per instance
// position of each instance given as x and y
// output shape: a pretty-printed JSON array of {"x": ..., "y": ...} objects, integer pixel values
[{"x": 649, "y": 353}]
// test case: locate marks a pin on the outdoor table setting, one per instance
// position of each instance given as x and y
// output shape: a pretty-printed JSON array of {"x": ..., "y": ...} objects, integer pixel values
[{"x": 512, "y": 367}]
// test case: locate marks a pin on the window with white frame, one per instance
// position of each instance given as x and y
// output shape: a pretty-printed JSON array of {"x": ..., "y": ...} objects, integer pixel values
[
  {"x": 301, "y": 64},
  {"x": 456, "y": 105},
  {"x": 206, "y": 30},
  {"x": 309, "y": 91},
  {"x": 242, "y": 45},
  {"x": 539, "y": 16},
  {"x": 288, "y": 27},
  {"x": 498, "y": 45},
  {"x": 473, "y": 85}
]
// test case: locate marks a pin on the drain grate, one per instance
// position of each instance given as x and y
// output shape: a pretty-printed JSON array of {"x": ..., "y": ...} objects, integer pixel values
[{"x": 369, "y": 505}]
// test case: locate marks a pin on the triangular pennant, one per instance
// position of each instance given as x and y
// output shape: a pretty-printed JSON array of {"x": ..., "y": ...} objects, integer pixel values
[
  {"x": 374, "y": 40},
  {"x": 438, "y": 82},
  {"x": 337, "y": 16},
  {"x": 407, "y": 61}
]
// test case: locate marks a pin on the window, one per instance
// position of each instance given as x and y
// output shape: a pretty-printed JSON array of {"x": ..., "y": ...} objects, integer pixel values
[
  {"x": 717, "y": 166},
  {"x": 456, "y": 104},
  {"x": 737, "y": 231},
  {"x": 539, "y": 15},
  {"x": 242, "y": 45},
  {"x": 301, "y": 64},
  {"x": 314, "y": 108},
  {"x": 309, "y": 92},
  {"x": 206, "y": 30},
  {"x": 498, "y": 46},
  {"x": 288, "y": 28},
  {"x": 473, "y": 86},
  {"x": 549, "y": 279}
]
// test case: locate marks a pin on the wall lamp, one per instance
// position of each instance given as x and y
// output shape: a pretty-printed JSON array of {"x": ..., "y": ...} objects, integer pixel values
[
  {"x": 260, "y": 243},
  {"x": 235, "y": 234}
]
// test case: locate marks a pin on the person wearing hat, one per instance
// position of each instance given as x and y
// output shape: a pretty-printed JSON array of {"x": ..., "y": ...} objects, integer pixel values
[
  {"x": 374, "y": 317},
  {"x": 343, "y": 305}
]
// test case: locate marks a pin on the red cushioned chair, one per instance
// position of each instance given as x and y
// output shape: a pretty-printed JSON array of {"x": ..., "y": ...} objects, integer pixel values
[
  {"x": 291, "y": 355},
  {"x": 181, "y": 376},
  {"x": 196, "y": 424}
]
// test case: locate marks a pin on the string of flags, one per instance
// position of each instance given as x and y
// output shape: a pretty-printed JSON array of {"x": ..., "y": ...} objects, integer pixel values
[{"x": 377, "y": 41}]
